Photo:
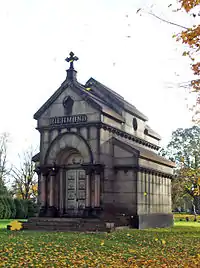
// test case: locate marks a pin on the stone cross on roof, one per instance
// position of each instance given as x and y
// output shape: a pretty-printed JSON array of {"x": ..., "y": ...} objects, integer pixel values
[{"x": 71, "y": 60}]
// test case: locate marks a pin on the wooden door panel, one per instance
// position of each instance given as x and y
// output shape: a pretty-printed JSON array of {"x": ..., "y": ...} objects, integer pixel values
[
  {"x": 71, "y": 189},
  {"x": 76, "y": 187}
]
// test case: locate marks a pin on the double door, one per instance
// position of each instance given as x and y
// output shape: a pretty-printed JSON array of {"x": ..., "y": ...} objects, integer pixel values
[{"x": 75, "y": 190}]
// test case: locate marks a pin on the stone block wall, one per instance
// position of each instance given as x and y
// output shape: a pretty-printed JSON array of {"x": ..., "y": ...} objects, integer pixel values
[
  {"x": 80, "y": 107},
  {"x": 128, "y": 127},
  {"x": 119, "y": 187},
  {"x": 153, "y": 193},
  {"x": 125, "y": 191},
  {"x": 106, "y": 157}
]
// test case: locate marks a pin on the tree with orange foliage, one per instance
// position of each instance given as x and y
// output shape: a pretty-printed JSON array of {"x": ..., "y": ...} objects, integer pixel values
[{"x": 191, "y": 37}]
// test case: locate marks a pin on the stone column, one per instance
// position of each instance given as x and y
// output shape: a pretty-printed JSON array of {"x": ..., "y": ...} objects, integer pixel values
[
  {"x": 139, "y": 193},
  {"x": 38, "y": 171},
  {"x": 153, "y": 196},
  {"x": 42, "y": 190},
  {"x": 146, "y": 193},
  {"x": 61, "y": 191},
  {"x": 52, "y": 211},
  {"x": 51, "y": 189},
  {"x": 162, "y": 193},
  {"x": 88, "y": 189},
  {"x": 156, "y": 193},
  {"x": 97, "y": 189},
  {"x": 150, "y": 193},
  {"x": 159, "y": 194},
  {"x": 53, "y": 171},
  {"x": 170, "y": 196},
  {"x": 43, "y": 199}
]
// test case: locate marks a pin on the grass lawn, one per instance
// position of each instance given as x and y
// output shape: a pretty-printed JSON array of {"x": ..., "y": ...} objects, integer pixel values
[
  {"x": 169, "y": 247},
  {"x": 4, "y": 223}
]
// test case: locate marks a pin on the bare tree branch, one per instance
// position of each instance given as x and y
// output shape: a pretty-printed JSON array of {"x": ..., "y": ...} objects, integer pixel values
[
  {"x": 24, "y": 176},
  {"x": 164, "y": 20},
  {"x": 4, "y": 170},
  {"x": 167, "y": 21}
]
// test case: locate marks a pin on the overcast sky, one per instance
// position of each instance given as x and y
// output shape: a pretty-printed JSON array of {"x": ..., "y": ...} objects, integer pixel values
[{"x": 133, "y": 54}]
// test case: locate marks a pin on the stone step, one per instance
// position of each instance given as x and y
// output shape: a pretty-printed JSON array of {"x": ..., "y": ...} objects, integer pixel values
[
  {"x": 69, "y": 223},
  {"x": 84, "y": 228},
  {"x": 72, "y": 224},
  {"x": 64, "y": 220}
]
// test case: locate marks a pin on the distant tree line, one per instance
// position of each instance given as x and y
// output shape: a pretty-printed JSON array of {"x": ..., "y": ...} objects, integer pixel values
[
  {"x": 184, "y": 149},
  {"x": 18, "y": 185}
]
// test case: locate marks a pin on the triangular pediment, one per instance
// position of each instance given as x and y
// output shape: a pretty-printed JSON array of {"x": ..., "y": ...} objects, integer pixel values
[
  {"x": 122, "y": 149},
  {"x": 69, "y": 99}
]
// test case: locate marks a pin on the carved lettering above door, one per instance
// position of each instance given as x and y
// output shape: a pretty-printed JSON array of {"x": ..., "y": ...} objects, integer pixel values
[{"x": 65, "y": 120}]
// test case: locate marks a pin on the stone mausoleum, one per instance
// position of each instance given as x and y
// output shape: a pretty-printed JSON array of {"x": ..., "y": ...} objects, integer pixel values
[{"x": 98, "y": 157}]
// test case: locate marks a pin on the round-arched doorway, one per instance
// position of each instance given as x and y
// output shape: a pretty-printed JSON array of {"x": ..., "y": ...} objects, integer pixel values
[{"x": 72, "y": 184}]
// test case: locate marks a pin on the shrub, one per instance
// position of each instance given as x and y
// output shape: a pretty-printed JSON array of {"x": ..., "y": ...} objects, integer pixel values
[
  {"x": 32, "y": 208},
  {"x": 12, "y": 207},
  {"x": 25, "y": 207},
  {"x": 7, "y": 212},
  {"x": 20, "y": 213},
  {"x": 1, "y": 208}
]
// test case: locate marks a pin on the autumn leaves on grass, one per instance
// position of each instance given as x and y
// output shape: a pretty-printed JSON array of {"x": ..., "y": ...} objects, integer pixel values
[
  {"x": 15, "y": 226},
  {"x": 167, "y": 247}
]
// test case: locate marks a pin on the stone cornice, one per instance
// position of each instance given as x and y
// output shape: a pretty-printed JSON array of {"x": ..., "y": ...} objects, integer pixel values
[
  {"x": 137, "y": 168},
  {"x": 46, "y": 170},
  {"x": 107, "y": 127},
  {"x": 53, "y": 169},
  {"x": 155, "y": 172},
  {"x": 93, "y": 168},
  {"x": 128, "y": 136}
]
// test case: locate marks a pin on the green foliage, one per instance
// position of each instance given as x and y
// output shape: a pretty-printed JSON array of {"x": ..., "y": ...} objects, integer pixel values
[
  {"x": 1, "y": 208},
  {"x": 25, "y": 208},
  {"x": 12, "y": 207},
  {"x": 5, "y": 208},
  {"x": 32, "y": 208},
  {"x": 3, "y": 189},
  {"x": 7, "y": 212},
  {"x": 184, "y": 149},
  {"x": 20, "y": 213}
]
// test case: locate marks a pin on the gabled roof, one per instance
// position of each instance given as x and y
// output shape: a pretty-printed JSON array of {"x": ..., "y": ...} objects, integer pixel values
[
  {"x": 112, "y": 97},
  {"x": 151, "y": 133},
  {"x": 78, "y": 88},
  {"x": 144, "y": 153},
  {"x": 95, "y": 101}
]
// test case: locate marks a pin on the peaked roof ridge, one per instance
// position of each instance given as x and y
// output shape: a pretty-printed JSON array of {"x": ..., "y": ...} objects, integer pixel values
[
  {"x": 80, "y": 89},
  {"x": 152, "y": 133},
  {"x": 119, "y": 99},
  {"x": 92, "y": 80}
]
